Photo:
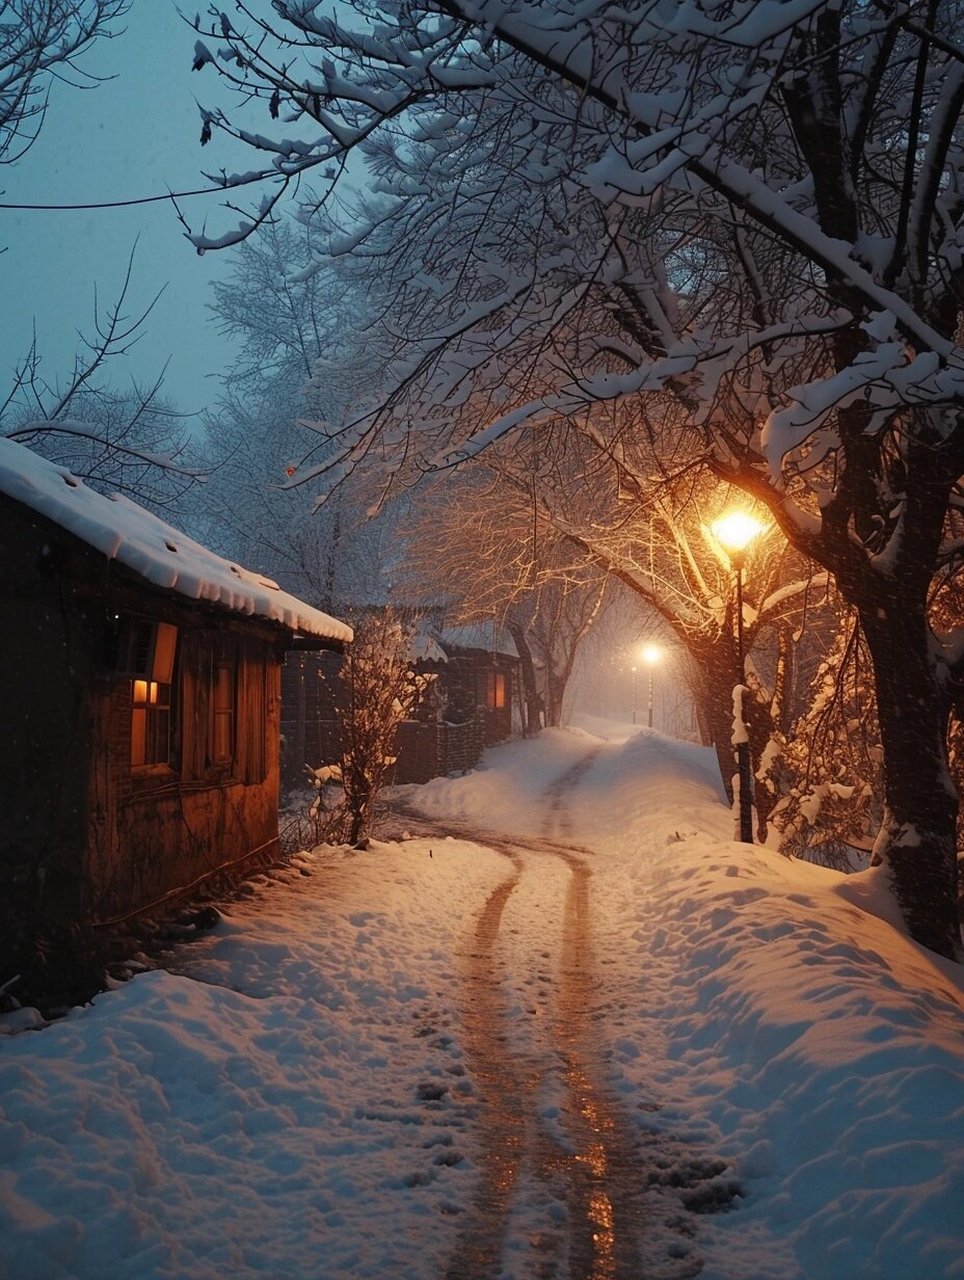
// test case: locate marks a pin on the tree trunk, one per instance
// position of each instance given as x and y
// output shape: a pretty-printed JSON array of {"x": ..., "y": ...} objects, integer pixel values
[
  {"x": 917, "y": 840},
  {"x": 555, "y": 692},
  {"x": 716, "y": 673},
  {"x": 718, "y": 717},
  {"x": 533, "y": 703},
  {"x": 560, "y": 660}
]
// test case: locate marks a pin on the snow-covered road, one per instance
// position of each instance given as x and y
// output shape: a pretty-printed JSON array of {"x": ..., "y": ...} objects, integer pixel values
[
  {"x": 654, "y": 1015},
  {"x": 550, "y": 1137},
  {"x": 562, "y": 1170}
]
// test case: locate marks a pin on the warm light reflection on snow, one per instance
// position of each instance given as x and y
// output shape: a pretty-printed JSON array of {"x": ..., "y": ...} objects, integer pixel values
[
  {"x": 303, "y": 1097},
  {"x": 595, "y": 1158}
]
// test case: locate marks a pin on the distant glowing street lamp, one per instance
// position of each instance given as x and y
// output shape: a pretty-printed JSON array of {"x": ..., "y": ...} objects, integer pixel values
[
  {"x": 651, "y": 655},
  {"x": 734, "y": 532}
]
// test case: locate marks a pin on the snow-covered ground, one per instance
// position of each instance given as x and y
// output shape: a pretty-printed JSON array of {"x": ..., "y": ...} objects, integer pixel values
[{"x": 295, "y": 1101}]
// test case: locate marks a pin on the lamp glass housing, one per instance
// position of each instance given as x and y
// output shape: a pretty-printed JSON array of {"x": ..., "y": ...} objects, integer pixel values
[{"x": 736, "y": 530}]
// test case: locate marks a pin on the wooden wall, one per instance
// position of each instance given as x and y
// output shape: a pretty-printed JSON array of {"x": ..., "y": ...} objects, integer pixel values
[
  {"x": 83, "y": 837},
  {"x": 162, "y": 832},
  {"x": 47, "y": 634},
  {"x": 434, "y": 749},
  {"x": 448, "y": 733}
]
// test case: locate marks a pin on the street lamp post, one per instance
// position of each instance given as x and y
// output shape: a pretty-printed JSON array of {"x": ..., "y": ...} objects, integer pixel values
[
  {"x": 635, "y": 693},
  {"x": 735, "y": 532},
  {"x": 651, "y": 655}
]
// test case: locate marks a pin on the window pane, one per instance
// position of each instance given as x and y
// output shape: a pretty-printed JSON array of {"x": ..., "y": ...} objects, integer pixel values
[
  {"x": 494, "y": 690},
  {"x": 165, "y": 643},
  {"x": 222, "y": 719},
  {"x": 150, "y": 722},
  {"x": 499, "y": 691}
]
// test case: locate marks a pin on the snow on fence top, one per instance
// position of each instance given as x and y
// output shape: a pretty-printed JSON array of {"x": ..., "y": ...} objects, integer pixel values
[{"x": 141, "y": 541}]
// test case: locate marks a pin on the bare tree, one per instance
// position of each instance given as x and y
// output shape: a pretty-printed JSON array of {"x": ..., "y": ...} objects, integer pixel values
[
  {"x": 482, "y": 546},
  {"x": 123, "y": 439},
  {"x": 754, "y": 210},
  {"x": 127, "y": 440},
  {"x": 276, "y": 309},
  {"x": 654, "y": 534},
  {"x": 373, "y": 693},
  {"x": 827, "y": 784},
  {"x": 282, "y": 318},
  {"x": 41, "y": 42}
]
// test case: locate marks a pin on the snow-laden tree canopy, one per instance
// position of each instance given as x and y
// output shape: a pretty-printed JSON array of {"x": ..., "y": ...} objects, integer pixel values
[{"x": 750, "y": 213}]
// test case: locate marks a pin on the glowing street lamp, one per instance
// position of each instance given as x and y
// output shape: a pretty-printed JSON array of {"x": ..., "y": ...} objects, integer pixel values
[
  {"x": 734, "y": 532},
  {"x": 651, "y": 655}
]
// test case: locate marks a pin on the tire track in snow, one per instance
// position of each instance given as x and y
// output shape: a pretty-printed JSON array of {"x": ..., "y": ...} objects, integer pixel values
[
  {"x": 588, "y": 1156},
  {"x": 503, "y": 1092},
  {"x": 589, "y": 1163},
  {"x": 558, "y": 819}
]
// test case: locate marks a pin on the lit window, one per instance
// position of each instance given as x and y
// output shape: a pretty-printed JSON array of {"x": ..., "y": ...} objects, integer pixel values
[
  {"x": 495, "y": 690},
  {"x": 149, "y": 660}
]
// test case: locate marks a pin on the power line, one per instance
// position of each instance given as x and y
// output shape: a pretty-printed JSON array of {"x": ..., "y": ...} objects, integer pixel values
[{"x": 115, "y": 204}]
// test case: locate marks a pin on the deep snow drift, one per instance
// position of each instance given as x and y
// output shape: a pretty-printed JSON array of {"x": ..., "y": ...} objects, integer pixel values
[{"x": 294, "y": 1101}]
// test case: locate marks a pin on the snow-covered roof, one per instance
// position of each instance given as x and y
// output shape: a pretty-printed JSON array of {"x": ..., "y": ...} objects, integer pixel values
[
  {"x": 159, "y": 553},
  {"x": 425, "y": 648},
  {"x": 480, "y": 635}
]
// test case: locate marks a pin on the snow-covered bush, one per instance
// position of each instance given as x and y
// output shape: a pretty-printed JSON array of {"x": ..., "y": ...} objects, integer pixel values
[
  {"x": 324, "y": 822},
  {"x": 830, "y": 764},
  {"x": 375, "y": 690}
]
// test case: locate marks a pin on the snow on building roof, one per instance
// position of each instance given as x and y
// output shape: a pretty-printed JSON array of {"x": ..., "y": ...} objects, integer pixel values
[
  {"x": 162, "y": 555},
  {"x": 481, "y": 635},
  {"x": 425, "y": 648}
]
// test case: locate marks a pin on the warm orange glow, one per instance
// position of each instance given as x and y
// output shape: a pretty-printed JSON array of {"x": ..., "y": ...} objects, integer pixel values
[
  {"x": 651, "y": 654},
  {"x": 495, "y": 690},
  {"x": 736, "y": 530},
  {"x": 165, "y": 646},
  {"x": 601, "y": 1216},
  {"x": 150, "y": 721}
]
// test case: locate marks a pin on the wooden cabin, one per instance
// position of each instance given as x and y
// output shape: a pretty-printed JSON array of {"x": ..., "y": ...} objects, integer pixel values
[
  {"x": 140, "y": 695},
  {"x": 481, "y": 670},
  {"x": 466, "y": 708}
]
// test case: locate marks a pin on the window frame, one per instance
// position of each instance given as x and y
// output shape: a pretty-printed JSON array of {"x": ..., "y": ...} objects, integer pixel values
[
  {"x": 223, "y": 756},
  {"x": 149, "y": 664},
  {"x": 496, "y": 690}
]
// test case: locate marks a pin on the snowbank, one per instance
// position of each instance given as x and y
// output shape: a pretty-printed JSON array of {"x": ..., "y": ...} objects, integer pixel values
[{"x": 295, "y": 1100}]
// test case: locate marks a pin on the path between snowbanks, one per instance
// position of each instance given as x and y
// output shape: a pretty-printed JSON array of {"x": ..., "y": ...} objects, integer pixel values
[
  {"x": 772, "y": 1009},
  {"x": 296, "y": 1101}
]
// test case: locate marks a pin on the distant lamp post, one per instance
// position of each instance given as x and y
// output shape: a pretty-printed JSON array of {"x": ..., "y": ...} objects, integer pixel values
[
  {"x": 734, "y": 532},
  {"x": 651, "y": 655},
  {"x": 635, "y": 693}
]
